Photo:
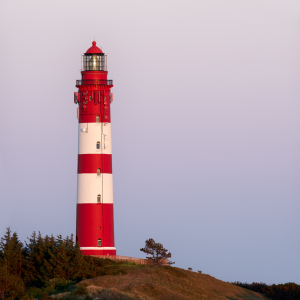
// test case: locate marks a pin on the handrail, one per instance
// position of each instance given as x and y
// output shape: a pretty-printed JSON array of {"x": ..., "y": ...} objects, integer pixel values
[{"x": 93, "y": 81}]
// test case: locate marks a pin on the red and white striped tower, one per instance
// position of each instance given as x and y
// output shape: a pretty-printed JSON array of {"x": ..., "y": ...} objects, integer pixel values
[{"x": 95, "y": 220}]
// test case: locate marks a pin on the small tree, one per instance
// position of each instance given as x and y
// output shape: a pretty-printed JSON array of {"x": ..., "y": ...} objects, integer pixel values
[
  {"x": 11, "y": 266},
  {"x": 158, "y": 252},
  {"x": 11, "y": 253}
]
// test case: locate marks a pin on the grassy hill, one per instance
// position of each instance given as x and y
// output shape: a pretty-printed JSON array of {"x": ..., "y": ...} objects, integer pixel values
[
  {"x": 47, "y": 266},
  {"x": 128, "y": 281}
]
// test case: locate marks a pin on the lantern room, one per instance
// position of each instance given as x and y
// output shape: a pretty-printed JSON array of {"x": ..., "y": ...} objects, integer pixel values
[{"x": 94, "y": 59}]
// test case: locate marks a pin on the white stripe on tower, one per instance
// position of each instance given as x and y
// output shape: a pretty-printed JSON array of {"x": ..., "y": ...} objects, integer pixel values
[
  {"x": 91, "y": 185},
  {"x": 96, "y": 132}
]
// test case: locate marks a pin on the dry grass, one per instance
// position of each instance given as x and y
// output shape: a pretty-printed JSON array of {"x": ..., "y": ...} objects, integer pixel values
[{"x": 130, "y": 282}]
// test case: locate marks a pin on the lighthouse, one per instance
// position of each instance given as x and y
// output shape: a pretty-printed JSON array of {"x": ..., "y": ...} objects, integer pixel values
[{"x": 95, "y": 217}]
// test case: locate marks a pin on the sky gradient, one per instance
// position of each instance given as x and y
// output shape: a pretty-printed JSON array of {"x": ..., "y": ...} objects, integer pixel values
[{"x": 205, "y": 127}]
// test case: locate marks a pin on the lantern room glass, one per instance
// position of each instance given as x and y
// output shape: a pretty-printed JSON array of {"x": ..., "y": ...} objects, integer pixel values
[{"x": 94, "y": 62}]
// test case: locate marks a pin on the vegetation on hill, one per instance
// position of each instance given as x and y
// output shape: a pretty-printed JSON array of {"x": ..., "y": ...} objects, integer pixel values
[
  {"x": 48, "y": 267},
  {"x": 44, "y": 265},
  {"x": 159, "y": 254},
  {"x": 287, "y": 291},
  {"x": 163, "y": 283}
]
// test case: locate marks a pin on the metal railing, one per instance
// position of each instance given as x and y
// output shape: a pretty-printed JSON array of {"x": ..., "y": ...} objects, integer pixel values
[{"x": 94, "y": 81}]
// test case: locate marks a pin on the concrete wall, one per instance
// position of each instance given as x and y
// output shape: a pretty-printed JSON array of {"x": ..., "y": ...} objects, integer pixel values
[{"x": 138, "y": 261}]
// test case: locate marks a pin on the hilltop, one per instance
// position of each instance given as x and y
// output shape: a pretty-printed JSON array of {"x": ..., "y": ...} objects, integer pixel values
[
  {"x": 49, "y": 267},
  {"x": 129, "y": 281}
]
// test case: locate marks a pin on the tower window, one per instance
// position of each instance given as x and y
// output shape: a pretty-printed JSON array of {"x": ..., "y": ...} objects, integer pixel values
[
  {"x": 97, "y": 119},
  {"x": 98, "y": 172},
  {"x": 98, "y": 145},
  {"x": 98, "y": 198},
  {"x": 99, "y": 243}
]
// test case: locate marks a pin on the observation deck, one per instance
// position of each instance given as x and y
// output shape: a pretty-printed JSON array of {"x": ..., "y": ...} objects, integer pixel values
[{"x": 94, "y": 82}]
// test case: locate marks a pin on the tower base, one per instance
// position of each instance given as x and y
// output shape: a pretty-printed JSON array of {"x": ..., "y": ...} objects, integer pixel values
[
  {"x": 95, "y": 228},
  {"x": 98, "y": 251}
]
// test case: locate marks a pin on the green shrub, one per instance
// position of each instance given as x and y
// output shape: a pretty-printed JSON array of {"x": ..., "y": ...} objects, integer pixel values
[
  {"x": 34, "y": 292},
  {"x": 59, "y": 284},
  {"x": 81, "y": 290}
]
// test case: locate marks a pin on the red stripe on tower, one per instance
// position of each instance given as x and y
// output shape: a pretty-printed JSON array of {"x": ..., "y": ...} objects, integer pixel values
[
  {"x": 90, "y": 163},
  {"x": 94, "y": 221}
]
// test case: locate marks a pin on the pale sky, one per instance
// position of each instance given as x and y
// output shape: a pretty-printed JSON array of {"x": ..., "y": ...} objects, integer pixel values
[{"x": 205, "y": 127}]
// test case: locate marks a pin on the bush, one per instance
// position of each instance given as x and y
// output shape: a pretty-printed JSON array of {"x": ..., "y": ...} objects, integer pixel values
[
  {"x": 44, "y": 265},
  {"x": 81, "y": 290},
  {"x": 59, "y": 284},
  {"x": 287, "y": 291}
]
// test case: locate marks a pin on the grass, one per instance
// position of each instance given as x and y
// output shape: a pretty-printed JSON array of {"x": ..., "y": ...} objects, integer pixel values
[{"x": 128, "y": 281}]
